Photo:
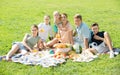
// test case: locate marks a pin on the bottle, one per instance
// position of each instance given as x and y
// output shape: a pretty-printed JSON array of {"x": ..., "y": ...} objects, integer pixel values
[
  {"x": 77, "y": 48},
  {"x": 80, "y": 48}
]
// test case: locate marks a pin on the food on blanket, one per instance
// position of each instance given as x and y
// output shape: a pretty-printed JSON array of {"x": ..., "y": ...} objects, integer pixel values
[
  {"x": 35, "y": 50},
  {"x": 60, "y": 55},
  {"x": 62, "y": 50},
  {"x": 57, "y": 35},
  {"x": 61, "y": 45},
  {"x": 72, "y": 54}
]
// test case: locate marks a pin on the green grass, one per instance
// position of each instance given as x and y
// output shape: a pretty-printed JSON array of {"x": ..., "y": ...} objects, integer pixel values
[{"x": 16, "y": 17}]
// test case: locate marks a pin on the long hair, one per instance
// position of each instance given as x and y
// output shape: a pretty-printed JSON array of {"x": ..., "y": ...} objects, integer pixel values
[
  {"x": 56, "y": 12},
  {"x": 49, "y": 18},
  {"x": 35, "y": 26}
]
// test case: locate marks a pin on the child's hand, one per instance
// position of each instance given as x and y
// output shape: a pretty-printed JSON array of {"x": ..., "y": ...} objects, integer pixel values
[{"x": 98, "y": 38}]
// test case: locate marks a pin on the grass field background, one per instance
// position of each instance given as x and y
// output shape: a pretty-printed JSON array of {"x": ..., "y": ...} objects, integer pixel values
[{"x": 16, "y": 17}]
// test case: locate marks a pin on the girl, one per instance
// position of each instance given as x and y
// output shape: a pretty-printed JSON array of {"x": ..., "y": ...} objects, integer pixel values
[
  {"x": 28, "y": 43},
  {"x": 45, "y": 30}
]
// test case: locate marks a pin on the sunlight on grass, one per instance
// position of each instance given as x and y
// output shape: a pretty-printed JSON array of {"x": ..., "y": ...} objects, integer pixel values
[{"x": 16, "y": 17}]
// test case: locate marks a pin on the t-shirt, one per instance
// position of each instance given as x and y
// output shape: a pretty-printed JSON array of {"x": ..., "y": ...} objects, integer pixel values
[
  {"x": 55, "y": 27},
  {"x": 100, "y": 34},
  {"x": 82, "y": 32},
  {"x": 32, "y": 41},
  {"x": 45, "y": 31}
]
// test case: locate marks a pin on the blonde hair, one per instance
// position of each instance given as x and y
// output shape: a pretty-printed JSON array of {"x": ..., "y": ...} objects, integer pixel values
[{"x": 56, "y": 12}]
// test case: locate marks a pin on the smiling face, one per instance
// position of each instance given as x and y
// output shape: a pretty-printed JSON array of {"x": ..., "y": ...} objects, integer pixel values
[
  {"x": 34, "y": 31},
  {"x": 77, "y": 21},
  {"x": 47, "y": 20},
  {"x": 95, "y": 29},
  {"x": 56, "y": 15},
  {"x": 64, "y": 18}
]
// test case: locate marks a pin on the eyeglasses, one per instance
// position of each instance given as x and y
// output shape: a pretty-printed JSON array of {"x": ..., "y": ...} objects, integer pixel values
[
  {"x": 63, "y": 17},
  {"x": 34, "y": 30},
  {"x": 46, "y": 19}
]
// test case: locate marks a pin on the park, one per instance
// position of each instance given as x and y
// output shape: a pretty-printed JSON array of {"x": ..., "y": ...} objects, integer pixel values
[{"x": 16, "y": 17}]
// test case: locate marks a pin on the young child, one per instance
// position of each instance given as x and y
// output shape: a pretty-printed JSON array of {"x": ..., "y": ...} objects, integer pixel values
[{"x": 45, "y": 30}]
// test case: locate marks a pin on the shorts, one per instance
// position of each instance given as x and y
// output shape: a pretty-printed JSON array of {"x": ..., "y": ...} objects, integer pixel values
[
  {"x": 77, "y": 41},
  {"x": 102, "y": 48},
  {"x": 21, "y": 46}
]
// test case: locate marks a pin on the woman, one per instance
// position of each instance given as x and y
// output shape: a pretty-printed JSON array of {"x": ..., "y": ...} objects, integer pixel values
[
  {"x": 45, "y": 30},
  {"x": 64, "y": 34},
  {"x": 57, "y": 21},
  {"x": 65, "y": 30},
  {"x": 28, "y": 43}
]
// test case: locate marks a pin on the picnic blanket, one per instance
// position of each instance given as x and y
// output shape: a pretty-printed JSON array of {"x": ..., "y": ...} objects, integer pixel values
[
  {"x": 45, "y": 59},
  {"x": 42, "y": 58},
  {"x": 85, "y": 56}
]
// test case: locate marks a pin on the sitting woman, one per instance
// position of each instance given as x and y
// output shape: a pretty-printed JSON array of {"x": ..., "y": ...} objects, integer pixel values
[
  {"x": 64, "y": 34},
  {"x": 45, "y": 30},
  {"x": 28, "y": 43},
  {"x": 57, "y": 21}
]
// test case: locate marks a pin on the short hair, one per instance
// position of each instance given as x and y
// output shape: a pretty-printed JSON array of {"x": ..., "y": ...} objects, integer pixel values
[
  {"x": 78, "y": 16},
  {"x": 94, "y": 24}
]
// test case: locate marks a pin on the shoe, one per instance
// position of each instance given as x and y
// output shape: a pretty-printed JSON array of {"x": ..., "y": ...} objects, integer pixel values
[
  {"x": 95, "y": 56},
  {"x": 111, "y": 54},
  {"x": 0, "y": 58},
  {"x": 116, "y": 53}
]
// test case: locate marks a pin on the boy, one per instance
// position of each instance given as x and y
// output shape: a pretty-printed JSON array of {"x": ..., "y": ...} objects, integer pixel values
[{"x": 101, "y": 40}]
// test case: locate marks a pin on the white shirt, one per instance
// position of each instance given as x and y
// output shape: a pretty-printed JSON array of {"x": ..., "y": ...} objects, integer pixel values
[{"x": 45, "y": 31}]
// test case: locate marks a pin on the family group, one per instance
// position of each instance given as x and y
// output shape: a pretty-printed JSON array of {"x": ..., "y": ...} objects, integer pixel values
[{"x": 45, "y": 35}]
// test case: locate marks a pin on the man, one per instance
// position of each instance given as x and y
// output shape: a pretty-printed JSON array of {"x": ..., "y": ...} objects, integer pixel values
[
  {"x": 82, "y": 32},
  {"x": 102, "y": 40}
]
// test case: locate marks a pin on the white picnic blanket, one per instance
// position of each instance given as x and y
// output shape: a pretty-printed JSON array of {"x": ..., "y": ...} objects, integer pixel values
[
  {"x": 42, "y": 58},
  {"x": 85, "y": 56}
]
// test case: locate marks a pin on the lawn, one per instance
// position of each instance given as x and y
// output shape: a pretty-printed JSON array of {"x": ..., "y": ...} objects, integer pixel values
[{"x": 16, "y": 17}]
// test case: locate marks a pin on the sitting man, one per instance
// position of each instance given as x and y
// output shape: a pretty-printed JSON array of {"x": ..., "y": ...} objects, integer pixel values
[
  {"x": 82, "y": 31},
  {"x": 101, "y": 41}
]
